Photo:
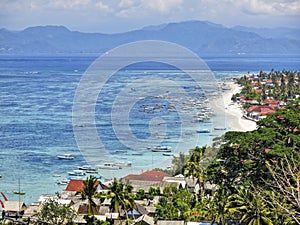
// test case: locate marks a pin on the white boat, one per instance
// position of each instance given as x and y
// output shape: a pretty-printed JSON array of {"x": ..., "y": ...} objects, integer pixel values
[
  {"x": 77, "y": 173},
  {"x": 62, "y": 182},
  {"x": 161, "y": 149},
  {"x": 128, "y": 164},
  {"x": 86, "y": 167},
  {"x": 109, "y": 166},
  {"x": 168, "y": 154},
  {"x": 66, "y": 156}
]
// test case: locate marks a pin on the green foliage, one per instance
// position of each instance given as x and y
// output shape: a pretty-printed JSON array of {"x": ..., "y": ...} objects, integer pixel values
[
  {"x": 91, "y": 220},
  {"x": 250, "y": 208},
  {"x": 175, "y": 204},
  {"x": 53, "y": 213},
  {"x": 88, "y": 192},
  {"x": 179, "y": 163},
  {"x": 246, "y": 153},
  {"x": 121, "y": 196}
]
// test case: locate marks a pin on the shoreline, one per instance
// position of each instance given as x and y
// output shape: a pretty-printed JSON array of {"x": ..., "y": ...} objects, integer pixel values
[{"x": 233, "y": 112}]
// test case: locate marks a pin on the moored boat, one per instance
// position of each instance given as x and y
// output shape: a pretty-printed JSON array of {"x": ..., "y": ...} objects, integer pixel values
[
  {"x": 168, "y": 154},
  {"x": 161, "y": 149},
  {"x": 86, "y": 167},
  {"x": 62, "y": 182},
  {"x": 121, "y": 164},
  {"x": 18, "y": 192},
  {"x": 220, "y": 128},
  {"x": 77, "y": 173},
  {"x": 66, "y": 156},
  {"x": 109, "y": 166}
]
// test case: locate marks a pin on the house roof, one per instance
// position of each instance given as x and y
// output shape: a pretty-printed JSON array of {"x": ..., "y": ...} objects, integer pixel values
[
  {"x": 271, "y": 102},
  {"x": 146, "y": 219},
  {"x": 262, "y": 110},
  {"x": 14, "y": 206},
  {"x": 78, "y": 185},
  {"x": 150, "y": 175}
]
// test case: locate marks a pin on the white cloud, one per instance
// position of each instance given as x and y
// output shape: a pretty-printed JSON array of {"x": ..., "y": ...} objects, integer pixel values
[
  {"x": 103, "y": 7},
  {"x": 120, "y": 15},
  {"x": 130, "y": 8},
  {"x": 268, "y": 7},
  {"x": 127, "y": 3},
  {"x": 163, "y": 6},
  {"x": 69, "y": 4}
]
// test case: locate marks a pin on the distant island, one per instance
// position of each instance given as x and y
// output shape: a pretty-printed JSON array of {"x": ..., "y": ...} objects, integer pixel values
[{"x": 201, "y": 37}]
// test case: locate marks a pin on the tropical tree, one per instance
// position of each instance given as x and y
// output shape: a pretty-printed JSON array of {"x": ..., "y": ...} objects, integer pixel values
[
  {"x": 88, "y": 192},
  {"x": 175, "y": 204},
  {"x": 249, "y": 207},
  {"x": 54, "y": 213},
  {"x": 121, "y": 197},
  {"x": 179, "y": 163},
  {"x": 217, "y": 210},
  {"x": 285, "y": 189}
]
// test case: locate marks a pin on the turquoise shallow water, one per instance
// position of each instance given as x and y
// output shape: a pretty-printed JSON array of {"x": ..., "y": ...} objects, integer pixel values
[{"x": 36, "y": 100}]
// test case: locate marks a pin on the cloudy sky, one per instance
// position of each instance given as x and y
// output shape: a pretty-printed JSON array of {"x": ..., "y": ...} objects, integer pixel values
[{"x": 111, "y": 16}]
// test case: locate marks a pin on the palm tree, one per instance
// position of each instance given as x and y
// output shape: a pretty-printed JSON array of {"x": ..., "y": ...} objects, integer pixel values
[
  {"x": 88, "y": 192},
  {"x": 250, "y": 207},
  {"x": 179, "y": 163},
  {"x": 121, "y": 197},
  {"x": 217, "y": 209},
  {"x": 193, "y": 166}
]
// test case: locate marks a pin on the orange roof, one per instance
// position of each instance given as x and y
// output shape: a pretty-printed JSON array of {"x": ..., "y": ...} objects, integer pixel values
[
  {"x": 263, "y": 110},
  {"x": 77, "y": 185},
  {"x": 271, "y": 102},
  {"x": 148, "y": 176}
]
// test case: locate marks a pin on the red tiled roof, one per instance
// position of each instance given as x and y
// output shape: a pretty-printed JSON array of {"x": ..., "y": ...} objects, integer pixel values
[
  {"x": 263, "y": 110},
  {"x": 148, "y": 176},
  {"x": 270, "y": 102},
  {"x": 243, "y": 97},
  {"x": 77, "y": 185}
]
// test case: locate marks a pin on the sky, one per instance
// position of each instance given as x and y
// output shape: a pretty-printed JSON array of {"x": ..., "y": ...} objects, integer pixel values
[{"x": 113, "y": 16}]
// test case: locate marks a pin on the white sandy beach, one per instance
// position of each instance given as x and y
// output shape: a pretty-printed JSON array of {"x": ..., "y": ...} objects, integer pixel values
[{"x": 232, "y": 111}]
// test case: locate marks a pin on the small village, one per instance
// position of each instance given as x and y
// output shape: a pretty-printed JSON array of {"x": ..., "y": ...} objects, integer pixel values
[
  {"x": 265, "y": 93},
  {"x": 232, "y": 189},
  {"x": 147, "y": 188}
]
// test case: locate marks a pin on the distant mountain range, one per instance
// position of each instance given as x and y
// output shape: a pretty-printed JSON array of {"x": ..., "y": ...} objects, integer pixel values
[{"x": 202, "y": 37}]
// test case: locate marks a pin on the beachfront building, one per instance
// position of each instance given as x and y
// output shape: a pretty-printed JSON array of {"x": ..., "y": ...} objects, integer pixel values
[
  {"x": 13, "y": 209},
  {"x": 259, "y": 112}
]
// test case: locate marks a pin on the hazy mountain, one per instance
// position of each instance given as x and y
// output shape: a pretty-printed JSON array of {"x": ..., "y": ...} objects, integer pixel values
[
  {"x": 201, "y": 37},
  {"x": 278, "y": 33}
]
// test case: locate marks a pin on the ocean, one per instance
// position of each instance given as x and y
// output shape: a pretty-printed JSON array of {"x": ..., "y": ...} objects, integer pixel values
[{"x": 36, "y": 109}]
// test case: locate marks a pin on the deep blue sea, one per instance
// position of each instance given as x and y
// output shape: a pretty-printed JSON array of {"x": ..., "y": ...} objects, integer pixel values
[{"x": 36, "y": 102}]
